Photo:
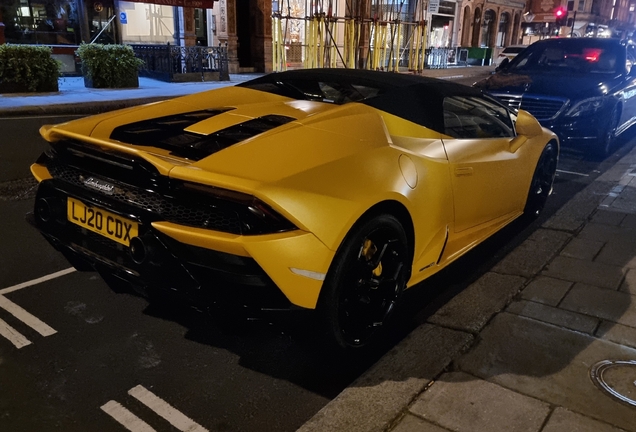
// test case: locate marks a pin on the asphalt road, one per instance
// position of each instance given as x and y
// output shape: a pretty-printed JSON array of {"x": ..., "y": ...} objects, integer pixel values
[{"x": 75, "y": 355}]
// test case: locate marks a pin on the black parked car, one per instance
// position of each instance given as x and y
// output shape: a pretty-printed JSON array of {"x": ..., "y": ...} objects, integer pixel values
[{"x": 583, "y": 89}]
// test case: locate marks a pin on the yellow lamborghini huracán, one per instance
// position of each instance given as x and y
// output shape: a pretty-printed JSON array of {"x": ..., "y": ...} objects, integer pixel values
[{"x": 323, "y": 189}]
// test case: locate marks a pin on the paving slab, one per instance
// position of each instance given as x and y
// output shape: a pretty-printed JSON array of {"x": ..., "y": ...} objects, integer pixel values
[
  {"x": 533, "y": 254},
  {"x": 583, "y": 249},
  {"x": 563, "y": 420},
  {"x": 629, "y": 221},
  {"x": 607, "y": 233},
  {"x": 608, "y": 217},
  {"x": 621, "y": 171},
  {"x": 588, "y": 272},
  {"x": 379, "y": 396},
  {"x": 617, "y": 333},
  {"x": 474, "y": 306},
  {"x": 556, "y": 316},
  {"x": 620, "y": 252},
  {"x": 463, "y": 403},
  {"x": 549, "y": 363},
  {"x": 625, "y": 201},
  {"x": 614, "y": 306},
  {"x": 629, "y": 283},
  {"x": 546, "y": 290},
  {"x": 576, "y": 212},
  {"x": 411, "y": 423}
]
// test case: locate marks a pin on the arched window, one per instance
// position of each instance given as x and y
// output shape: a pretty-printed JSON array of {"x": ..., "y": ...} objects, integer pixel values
[
  {"x": 516, "y": 36},
  {"x": 476, "y": 27},
  {"x": 466, "y": 35},
  {"x": 488, "y": 28},
  {"x": 503, "y": 29}
]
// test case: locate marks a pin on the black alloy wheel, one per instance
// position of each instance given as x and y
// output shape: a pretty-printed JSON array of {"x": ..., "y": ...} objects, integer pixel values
[
  {"x": 365, "y": 283},
  {"x": 542, "y": 181}
]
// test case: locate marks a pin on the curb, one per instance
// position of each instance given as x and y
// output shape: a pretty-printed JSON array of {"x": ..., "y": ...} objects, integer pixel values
[{"x": 86, "y": 108}]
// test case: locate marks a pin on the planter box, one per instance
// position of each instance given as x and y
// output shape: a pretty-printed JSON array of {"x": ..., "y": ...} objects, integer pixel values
[
  {"x": 130, "y": 82},
  {"x": 12, "y": 87}
]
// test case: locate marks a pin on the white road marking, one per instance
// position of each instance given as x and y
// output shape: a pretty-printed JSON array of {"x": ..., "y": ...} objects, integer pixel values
[
  {"x": 30, "y": 320},
  {"x": 573, "y": 173},
  {"x": 13, "y": 335},
  {"x": 165, "y": 410},
  {"x": 126, "y": 418},
  {"x": 37, "y": 281},
  {"x": 35, "y": 323}
]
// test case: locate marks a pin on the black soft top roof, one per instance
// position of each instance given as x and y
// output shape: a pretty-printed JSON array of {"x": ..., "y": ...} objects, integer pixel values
[{"x": 414, "y": 98}]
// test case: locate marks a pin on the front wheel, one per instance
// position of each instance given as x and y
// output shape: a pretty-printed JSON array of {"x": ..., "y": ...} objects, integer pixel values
[
  {"x": 365, "y": 283},
  {"x": 542, "y": 180}
]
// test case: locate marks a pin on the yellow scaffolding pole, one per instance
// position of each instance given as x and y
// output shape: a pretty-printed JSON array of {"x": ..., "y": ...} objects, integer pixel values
[
  {"x": 321, "y": 35},
  {"x": 350, "y": 43},
  {"x": 396, "y": 50},
  {"x": 332, "y": 41},
  {"x": 374, "y": 60},
  {"x": 385, "y": 31},
  {"x": 278, "y": 46}
]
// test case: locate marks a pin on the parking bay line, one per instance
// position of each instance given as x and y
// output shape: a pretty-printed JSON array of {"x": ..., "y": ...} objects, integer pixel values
[
  {"x": 13, "y": 335},
  {"x": 37, "y": 281},
  {"x": 126, "y": 418},
  {"x": 573, "y": 173},
  {"x": 24, "y": 316},
  {"x": 165, "y": 410}
]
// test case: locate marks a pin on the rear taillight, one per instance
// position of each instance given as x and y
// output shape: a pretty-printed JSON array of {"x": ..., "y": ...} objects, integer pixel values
[{"x": 256, "y": 216}]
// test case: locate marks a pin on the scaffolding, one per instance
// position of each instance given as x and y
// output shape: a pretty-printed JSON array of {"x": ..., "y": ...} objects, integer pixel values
[{"x": 386, "y": 35}]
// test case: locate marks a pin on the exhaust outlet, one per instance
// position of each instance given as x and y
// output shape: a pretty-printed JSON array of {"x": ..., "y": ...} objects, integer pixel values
[
  {"x": 138, "y": 250},
  {"x": 43, "y": 210}
]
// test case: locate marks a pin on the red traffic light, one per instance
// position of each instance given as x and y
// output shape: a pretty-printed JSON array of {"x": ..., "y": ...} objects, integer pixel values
[{"x": 561, "y": 15}]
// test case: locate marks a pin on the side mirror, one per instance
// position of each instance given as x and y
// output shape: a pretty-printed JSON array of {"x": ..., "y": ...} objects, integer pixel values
[
  {"x": 527, "y": 125},
  {"x": 503, "y": 65}
]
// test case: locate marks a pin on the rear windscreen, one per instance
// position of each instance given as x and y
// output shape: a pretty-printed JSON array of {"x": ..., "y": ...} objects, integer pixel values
[{"x": 571, "y": 57}]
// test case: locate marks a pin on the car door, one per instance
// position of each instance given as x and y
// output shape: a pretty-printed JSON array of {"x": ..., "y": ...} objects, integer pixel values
[
  {"x": 628, "y": 91},
  {"x": 486, "y": 175}
]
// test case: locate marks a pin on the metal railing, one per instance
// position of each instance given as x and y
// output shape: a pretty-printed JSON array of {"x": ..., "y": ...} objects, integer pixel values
[
  {"x": 176, "y": 63},
  {"x": 439, "y": 58}
]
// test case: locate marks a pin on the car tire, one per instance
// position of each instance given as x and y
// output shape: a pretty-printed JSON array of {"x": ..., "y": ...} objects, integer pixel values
[
  {"x": 542, "y": 181},
  {"x": 606, "y": 145},
  {"x": 364, "y": 284}
]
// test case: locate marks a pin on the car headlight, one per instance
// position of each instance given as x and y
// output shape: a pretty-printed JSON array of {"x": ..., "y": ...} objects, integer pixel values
[{"x": 585, "y": 107}]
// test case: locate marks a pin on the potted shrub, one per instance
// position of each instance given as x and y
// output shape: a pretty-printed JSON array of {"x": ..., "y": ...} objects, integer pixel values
[
  {"x": 109, "y": 66},
  {"x": 27, "y": 68}
]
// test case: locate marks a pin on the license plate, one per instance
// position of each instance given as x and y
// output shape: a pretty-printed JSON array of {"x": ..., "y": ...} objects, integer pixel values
[{"x": 102, "y": 222}]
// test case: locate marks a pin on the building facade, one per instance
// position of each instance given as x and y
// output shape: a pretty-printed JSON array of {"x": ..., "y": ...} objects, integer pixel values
[
  {"x": 266, "y": 35},
  {"x": 491, "y": 23},
  {"x": 585, "y": 18}
]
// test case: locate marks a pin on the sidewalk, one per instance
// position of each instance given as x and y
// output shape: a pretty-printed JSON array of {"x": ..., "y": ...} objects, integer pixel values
[{"x": 555, "y": 315}]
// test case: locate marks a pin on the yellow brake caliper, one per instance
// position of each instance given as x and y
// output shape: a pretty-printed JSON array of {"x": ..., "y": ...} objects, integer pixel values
[{"x": 368, "y": 250}]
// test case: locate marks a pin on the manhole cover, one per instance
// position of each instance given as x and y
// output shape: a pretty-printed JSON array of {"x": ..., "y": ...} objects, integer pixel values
[{"x": 616, "y": 378}]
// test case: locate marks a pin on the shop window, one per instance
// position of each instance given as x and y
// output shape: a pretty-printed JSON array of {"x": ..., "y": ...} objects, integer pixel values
[{"x": 54, "y": 22}]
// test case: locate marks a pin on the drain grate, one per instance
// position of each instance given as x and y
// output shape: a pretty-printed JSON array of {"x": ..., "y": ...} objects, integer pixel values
[{"x": 617, "y": 378}]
